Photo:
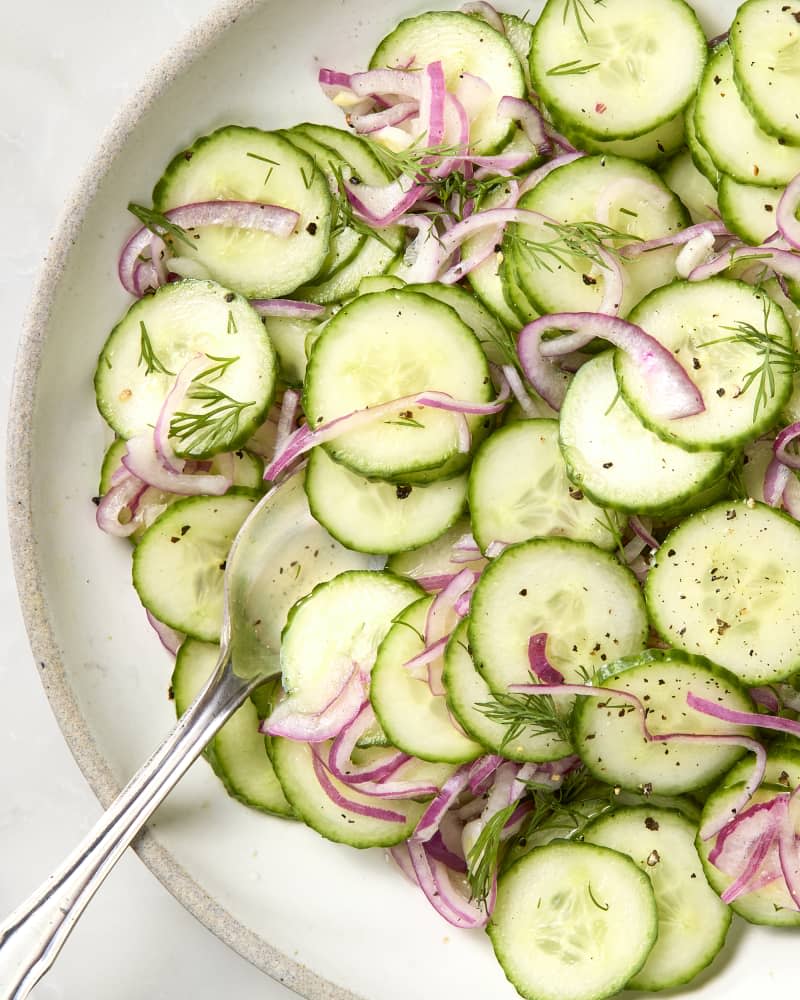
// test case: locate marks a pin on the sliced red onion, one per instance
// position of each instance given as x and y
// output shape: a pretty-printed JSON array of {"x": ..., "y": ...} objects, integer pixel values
[
  {"x": 788, "y": 851},
  {"x": 435, "y": 882},
  {"x": 781, "y": 445},
  {"x": 432, "y": 817},
  {"x": 640, "y": 568},
  {"x": 339, "y": 757},
  {"x": 422, "y": 255},
  {"x": 287, "y": 308},
  {"x": 714, "y": 229},
  {"x": 433, "y": 583},
  {"x": 540, "y": 666},
  {"x": 390, "y": 788},
  {"x": 462, "y": 605},
  {"x": 495, "y": 549},
  {"x": 374, "y": 121},
  {"x": 428, "y": 655},
  {"x": 718, "y": 40},
  {"x": 782, "y": 262},
  {"x": 633, "y": 549},
  {"x": 437, "y": 622},
  {"x": 487, "y": 12},
  {"x": 142, "y": 461},
  {"x": 387, "y": 81},
  {"x": 164, "y": 450},
  {"x": 694, "y": 253},
  {"x": 326, "y": 724},
  {"x": 540, "y": 173},
  {"x": 543, "y": 374},
  {"x": 441, "y": 852},
  {"x": 352, "y": 805},
  {"x": 714, "y": 824},
  {"x": 443, "y": 401},
  {"x": 563, "y": 143},
  {"x": 786, "y": 213},
  {"x": 766, "y": 696},
  {"x": 747, "y": 848},
  {"x": 776, "y": 479},
  {"x": 431, "y": 104},
  {"x": 673, "y": 394},
  {"x": 333, "y": 83},
  {"x": 290, "y": 406},
  {"x": 525, "y": 402},
  {"x": 399, "y": 854},
  {"x": 529, "y": 119},
  {"x": 644, "y": 532},
  {"x": 304, "y": 438},
  {"x": 169, "y": 638},
  {"x": 123, "y": 496},
  {"x": 465, "y": 549},
  {"x": 382, "y": 206},
  {"x": 732, "y": 715},
  {"x": 482, "y": 771},
  {"x": 456, "y": 136}
]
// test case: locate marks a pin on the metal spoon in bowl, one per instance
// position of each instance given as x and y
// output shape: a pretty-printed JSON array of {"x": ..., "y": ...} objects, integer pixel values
[{"x": 32, "y": 936}]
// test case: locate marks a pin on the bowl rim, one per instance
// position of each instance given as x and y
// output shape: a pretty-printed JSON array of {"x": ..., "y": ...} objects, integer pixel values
[{"x": 19, "y": 497}]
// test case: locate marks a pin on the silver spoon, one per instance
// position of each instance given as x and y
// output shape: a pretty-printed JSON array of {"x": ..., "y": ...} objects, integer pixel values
[{"x": 33, "y": 935}]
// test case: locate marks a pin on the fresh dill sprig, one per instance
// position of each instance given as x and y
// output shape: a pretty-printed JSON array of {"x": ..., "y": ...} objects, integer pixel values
[
  {"x": 160, "y": 225},
  {"x": 534, "y": 714},
  {"x": 148, "y": 357},
  {"x": 609, "y": 524},
  {"x": 774, "y": 356},
  {"x": 579, "y": 10},
  {"x": 572, "y": 239},
  {"x": 265, "y": 159},
  {"x": 483, "y": 858},
  {"x": 343, "y": 215},
  {"x": 213, "y": 426},
  {"x": 572, "y": 68},
  {"x": 220, "y": 366},
  {"x": 232, "y": 327}
]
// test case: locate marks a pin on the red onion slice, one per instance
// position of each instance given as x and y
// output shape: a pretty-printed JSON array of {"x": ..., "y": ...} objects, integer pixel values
[
  {"x": 529, "y": 119},
  {"x": 486, "y": 11},
  {"x": 431, "y": 104},
  {"x": 747, "y": 848},
  {"x": 482, "y": 771},
  {"x": 643, "y": 532},
  {"x": 673, "y": 394},
  {"x": 286, "y": 720},
  {"x": 399, "y": 854},
  {"x": 781, "y": 262},
  {"x": 142, "y": 461},
  {"x": 732, "y": 715},
  {"x": 633, "y": 250},
  {"x": 374, "y": 121},
  {"x": 190, "y": 371},
  {"x": 437, "y": 625},
  {"x": 776, "y": 479},
  {"x": 786, "y": 214},
  {"x": 333, "y": 82},
  {"x": 766, "y": 696},
  {"x": 539, "y": 664},
  {"x": 340, "y": 800},
  {"x": 387, "y": 81},
  {"x": 382, "y": 206},
  {"x": 290, "y": 406},
  {"x": 542, "y": 373},
  {"x": 432, "y": 817},
  {"x": 428, "y": 655},
  {"x": 339, "y": 758},
  {"x": 789, "y": 850},
  {"x": 287, "y": 308},
  {"x": 441, "y": 852},
  {"x": 434, "y": 881},
  {"x": 434, "y": 583},
  {"x": 235, "y": 214},
  {"x": 169, "y": 638},
  {"x": 781, "y": 445},
  {"x": 123, "y": 497}
]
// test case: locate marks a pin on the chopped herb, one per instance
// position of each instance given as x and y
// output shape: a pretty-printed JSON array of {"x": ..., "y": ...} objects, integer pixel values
[
  {"x": 232, "y": 327},
  {"x": 627, "y": 211},
  {"x": 405, "y": 423},
  {"x": 572, "y": 239},
  {"x": 148, "y": 357},
  {"x": 482, "y": 860},
  {"x": 579, "y": 10},
  {"x": 600, "y": 906},
  {"x": 212, "y": 427},
  {"x": 572, "y": 68},
  {"x": 534, "y": 714},
  {"x": 160, "y": 225}
]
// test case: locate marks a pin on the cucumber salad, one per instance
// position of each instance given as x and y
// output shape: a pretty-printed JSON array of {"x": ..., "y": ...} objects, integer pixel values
[{"x": 512, "y": 359}]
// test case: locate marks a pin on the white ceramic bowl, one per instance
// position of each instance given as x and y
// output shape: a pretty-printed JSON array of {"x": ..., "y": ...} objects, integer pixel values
[{"x": 328, "y": 921}]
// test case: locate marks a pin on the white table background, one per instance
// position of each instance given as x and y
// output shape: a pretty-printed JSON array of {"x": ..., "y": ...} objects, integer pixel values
[{"x": 65, "y": 68}]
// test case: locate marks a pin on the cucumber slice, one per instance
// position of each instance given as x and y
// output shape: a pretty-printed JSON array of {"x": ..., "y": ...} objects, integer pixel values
[
  {"x": 636, "y": 202},
  {"x": 414, "y": 719},
  {"x": 609, "y": 737},
  {"x": 514, "y": 291},
  {"x": 618, "y": 70},
  {"x": 385, "y": 346},
  {"x": 359, "y": 154},
  {"x": 374, "y": 257},
  {"x": 337, "y": 627},
  {"x": 294, "y": 766},
  {"x": 292, "y": 558},
  {"x": 380, "y": 517},
  {"x": 464, "y": 45},
  {"x": 615, "y": 460},
  {"x": 698, "y": 152},
  {"x": 495, "y": 340},
  {"x": 732, "y": 136},
  {"x": 573, "y": 922},
  {"x": 518, "y": 489},
  {"x": 692, "y": 187},
  {"x": 783, "y": 768},
  {"x": 589, "y": 605},
  {"x": 771, "y": 905},
  {"x": 519, "y": 33},
  {"x": 653, "y": 147},
  {"x": 179, "y": 321},
  {"x": 111, "y": 462},
  {"x": 698, "y": 322},
  {"x": 487, "y": 284},
  {"x": 748, "y": 209},
  {"x": 179, "y": 564},
  {"x": 237, "y": 753},
  {"x": 246, "y": 164},
  {"x": 435, "y": 558},
  {"x": 467, "y": 691},
  {"x": 692, "y": 921},
  {"x": 725, "y": 584},
  {"x": 289, "y": 337},
  {"x": 764, "y": 43}
]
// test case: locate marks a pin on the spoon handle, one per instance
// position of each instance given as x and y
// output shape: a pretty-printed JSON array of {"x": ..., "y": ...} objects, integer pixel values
[{"x": 32, "y": 936}]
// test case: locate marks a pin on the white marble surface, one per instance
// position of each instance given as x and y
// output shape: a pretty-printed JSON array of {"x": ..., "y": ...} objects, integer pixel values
[{"x": 65, "y": 68}]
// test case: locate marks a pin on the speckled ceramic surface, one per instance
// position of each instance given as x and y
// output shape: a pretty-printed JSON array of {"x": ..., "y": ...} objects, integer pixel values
[{"x": 328, "y": 921}]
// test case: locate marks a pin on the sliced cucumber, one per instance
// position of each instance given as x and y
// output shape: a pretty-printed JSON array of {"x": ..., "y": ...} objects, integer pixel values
[
  {"x": 608, "y": 735},
  {"x": 464, "y": 45},
  {"x": 467, "y": 691},
  {"x": 725, "y": 584},
  {"x": 246, "y": 164},
  {"x": 237, "y": 753},
  {"x": 692, "y": 187},
  {"x": 652, "y": 147},
  {"x": 616, "y": 71},
  {"x": 436, "y": 558},
  {"x": 698, "y": 152},
  {"x": 414, "y": 719},
  {"x": 158, "y": 335},
  {"x": 179, "y": 564},
  {"x": 390, "y": 345},
  {"x": 487, "y": 284},
  {"x": 770, "y": 905},
  {"x": 290, "y": 560},
  {"x": 519, "y": 33},
  {"x": 634, "y": 200},
  {"x": 289, "y": 337},
  {"x": 376, "y": 516},
  {"x": 698, "y": 322},
  {"x": 518, "y": 489},
  {"x": 615, "y": 460},
  {"x": 748, "y": 209},
  {"x": 338, "y": 627},
  {"x": 764, "y": 39},
  {"x": 692, "y": 921},
  {"x": 783, "y": 768},
  {"x": 573, "y": 922},
  {"x": 732, "y": 136},
  {"x": 588, "y": 604}
]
